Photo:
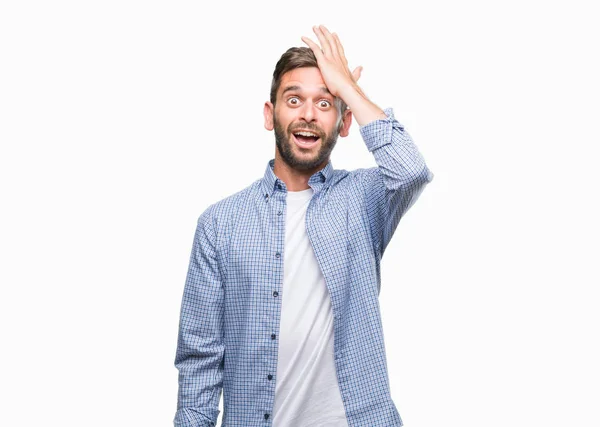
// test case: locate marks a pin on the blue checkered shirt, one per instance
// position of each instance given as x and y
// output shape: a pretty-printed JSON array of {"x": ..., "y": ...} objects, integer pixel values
[{"x": 231, "y": 305}]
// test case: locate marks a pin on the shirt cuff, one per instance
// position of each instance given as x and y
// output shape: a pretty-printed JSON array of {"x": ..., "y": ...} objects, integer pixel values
[
  {"x": 191, "y": 417},
  {"x": 379, "y": 132}
]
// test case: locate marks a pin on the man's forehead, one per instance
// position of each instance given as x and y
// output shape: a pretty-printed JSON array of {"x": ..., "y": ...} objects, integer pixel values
[{"x": 303, "y": 79}]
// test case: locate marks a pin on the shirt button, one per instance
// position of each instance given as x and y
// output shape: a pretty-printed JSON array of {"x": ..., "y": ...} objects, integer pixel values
[
  {"x": 279, "y": 213},
  {"x": 279, "y": 186},
  {"x": 270, "y": 377},
  {"x": 277, "y": 255},
  {"x": 266, "y": 416},
  {"x": 275, "y": 293},
  {"x": 273, "y": 336},
  {"x": 322, "y": 178}
]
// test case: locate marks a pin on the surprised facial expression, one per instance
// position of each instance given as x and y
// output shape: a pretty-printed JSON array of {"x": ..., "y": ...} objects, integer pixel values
[{"x": 306, "y": 120}]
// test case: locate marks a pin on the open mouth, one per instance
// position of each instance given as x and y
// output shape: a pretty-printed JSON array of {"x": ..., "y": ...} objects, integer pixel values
[{"x": 305, "y": 139}]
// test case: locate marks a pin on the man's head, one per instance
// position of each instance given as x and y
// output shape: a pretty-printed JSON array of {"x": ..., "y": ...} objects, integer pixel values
[{"x": 299, "y": 100}]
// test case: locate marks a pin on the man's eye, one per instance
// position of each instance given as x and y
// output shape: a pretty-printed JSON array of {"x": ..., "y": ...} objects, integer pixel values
[
  {"x": 327, "y": 104},
  {"x": 295, "y": 99}
]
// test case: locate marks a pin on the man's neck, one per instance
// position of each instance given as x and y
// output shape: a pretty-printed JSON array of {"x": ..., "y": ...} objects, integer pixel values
[{"x": 295, "y": 180}]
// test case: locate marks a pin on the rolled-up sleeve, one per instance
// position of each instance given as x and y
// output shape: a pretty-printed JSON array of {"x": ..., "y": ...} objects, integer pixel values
[{"x": 396, "y": 183}]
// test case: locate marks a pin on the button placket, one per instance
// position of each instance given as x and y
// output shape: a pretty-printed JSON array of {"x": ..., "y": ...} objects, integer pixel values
[{"x": 276, "y": 207}]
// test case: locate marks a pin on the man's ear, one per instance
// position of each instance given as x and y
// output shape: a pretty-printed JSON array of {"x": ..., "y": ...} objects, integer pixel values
[
  {"x": 346, "y": 122},
  {"x": 268, "y": 112}
]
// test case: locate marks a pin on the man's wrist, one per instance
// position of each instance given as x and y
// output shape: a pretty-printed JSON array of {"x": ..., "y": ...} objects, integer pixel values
[{"x": 362, "y": 108}]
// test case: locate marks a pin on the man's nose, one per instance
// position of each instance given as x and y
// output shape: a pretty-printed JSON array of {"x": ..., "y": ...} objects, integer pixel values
[{"x": 308, "y": 111}]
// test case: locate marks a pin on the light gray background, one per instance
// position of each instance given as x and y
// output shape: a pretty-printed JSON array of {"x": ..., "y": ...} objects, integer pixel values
[{"x": 121, "y": 121}]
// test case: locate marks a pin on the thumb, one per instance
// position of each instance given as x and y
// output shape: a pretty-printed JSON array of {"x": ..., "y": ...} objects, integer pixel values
[{"x": 356, "y": 73}]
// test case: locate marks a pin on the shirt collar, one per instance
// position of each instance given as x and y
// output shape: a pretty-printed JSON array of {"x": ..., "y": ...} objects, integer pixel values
[{"x": 271, "y": 182}]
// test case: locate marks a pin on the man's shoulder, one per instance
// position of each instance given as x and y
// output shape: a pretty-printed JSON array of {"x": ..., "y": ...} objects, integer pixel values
[
  {"x": 231, "y": 204},
  {"x": 223, "y": 209}
]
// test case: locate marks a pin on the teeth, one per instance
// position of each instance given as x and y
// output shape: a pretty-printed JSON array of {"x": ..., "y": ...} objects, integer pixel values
[{"x": 306, "y": 134}]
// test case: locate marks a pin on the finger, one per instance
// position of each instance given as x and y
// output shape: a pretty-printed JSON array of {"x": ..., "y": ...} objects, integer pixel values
[
  {"x": 357, "y": 72},
  {"x": 324, "y": 43},
  {"x": 315, "y": 47},
  {"x": 340, "y": 48},
  {"x": 331, "y": 41}
]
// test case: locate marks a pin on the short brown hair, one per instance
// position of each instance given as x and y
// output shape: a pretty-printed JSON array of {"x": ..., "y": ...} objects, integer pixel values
[{"x": 297, "y": 57}]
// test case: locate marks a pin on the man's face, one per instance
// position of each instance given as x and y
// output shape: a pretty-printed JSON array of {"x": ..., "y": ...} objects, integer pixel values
[{"x": 304, "y": 104}]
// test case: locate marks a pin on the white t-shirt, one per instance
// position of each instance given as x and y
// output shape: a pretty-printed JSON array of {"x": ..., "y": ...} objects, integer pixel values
[{"x": 307, "y": 393}]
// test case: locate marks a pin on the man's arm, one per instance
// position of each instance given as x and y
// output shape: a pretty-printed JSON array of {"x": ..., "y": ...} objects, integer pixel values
[
  {"x": 401, "y": 174},
  {"x": 200, "y": 345},
  {"x": 396, "y": 183}
]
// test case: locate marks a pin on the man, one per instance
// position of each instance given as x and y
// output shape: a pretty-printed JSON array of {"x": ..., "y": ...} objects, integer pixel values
[{"x": 280, "y": 307}]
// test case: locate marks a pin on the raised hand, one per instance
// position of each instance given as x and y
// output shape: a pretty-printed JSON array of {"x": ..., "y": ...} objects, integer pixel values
[{"x": 332, "y": 61}]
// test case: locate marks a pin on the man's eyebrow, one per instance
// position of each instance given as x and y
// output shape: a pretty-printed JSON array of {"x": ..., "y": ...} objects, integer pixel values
[{"x": 323, "y": 89}]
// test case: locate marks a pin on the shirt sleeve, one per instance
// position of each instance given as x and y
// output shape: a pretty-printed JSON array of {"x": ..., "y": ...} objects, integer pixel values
[
  {"x": 396, "y": 183},
  {"x": 200, "y": 345}
]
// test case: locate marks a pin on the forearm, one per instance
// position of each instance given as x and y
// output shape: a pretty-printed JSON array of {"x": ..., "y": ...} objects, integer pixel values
[
  {"x": 395, "y": 153},
  {"x": 395, "y": 184},
  {"x": 200, "y": 345},
  {"x": 363, "y": 109}
]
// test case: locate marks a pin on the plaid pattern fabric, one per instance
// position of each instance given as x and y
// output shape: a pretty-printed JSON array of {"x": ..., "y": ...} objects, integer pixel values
[{"x": 230, "y": 311}]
